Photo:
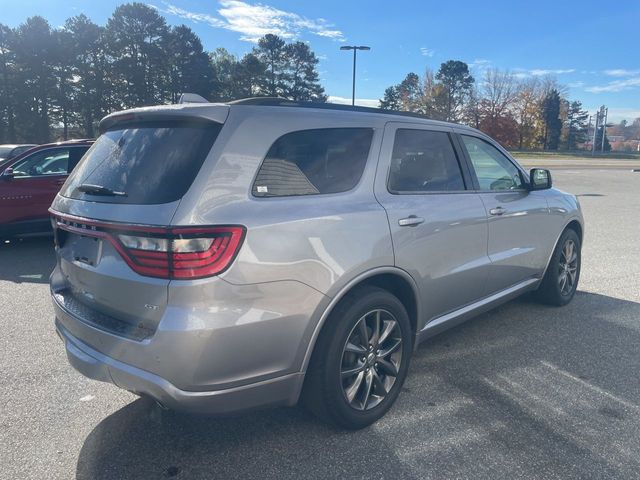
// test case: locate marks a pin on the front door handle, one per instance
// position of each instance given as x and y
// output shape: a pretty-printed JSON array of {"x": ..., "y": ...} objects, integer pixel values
[
  {"x": 410, "y": 221},
  {"x": 497, "y": 211}
]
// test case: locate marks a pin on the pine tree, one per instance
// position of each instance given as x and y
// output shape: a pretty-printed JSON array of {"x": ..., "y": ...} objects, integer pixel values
[
  {"x": 62, "y": 107},
  {"x": 576, "y": 125},
  {"x": 457, "y": 83},
  {"x": 88, "y": 70},
  {"x": 8, "y": 84},
  {"x": 271, "y": 51},
  {"x": 391, "y": 99},
  {"x": 137, "y": 38},
  {"x": 225, "y": 76},
  {"x": 410, "y": 93},
  {"x": 189, "y": 66},
  {"x": 250, "y": 75},
  {"x": 35, "y": 54},
  {"x": 551, "y": 117},
  {"x": 301, "y": 78}
]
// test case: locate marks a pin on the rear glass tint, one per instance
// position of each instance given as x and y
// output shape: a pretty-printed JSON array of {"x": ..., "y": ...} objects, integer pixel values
[
  {"x": 311, "y": 162},
  {"x": 151, "y": 162}
]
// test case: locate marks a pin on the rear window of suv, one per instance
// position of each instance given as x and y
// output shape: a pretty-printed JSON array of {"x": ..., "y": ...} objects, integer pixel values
[
  {"x": 312, "y": 162},
  {"x": 149, "y": 162}
]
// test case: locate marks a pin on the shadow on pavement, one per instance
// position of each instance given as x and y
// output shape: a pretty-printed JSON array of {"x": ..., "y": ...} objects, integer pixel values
[
  {"x": 28, "y": 260},
  {"x": 525, "y": 391}
]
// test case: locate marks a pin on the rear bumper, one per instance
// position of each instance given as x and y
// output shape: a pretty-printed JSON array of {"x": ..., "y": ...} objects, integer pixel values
[
  {"x": 217, "y": 348},
  {"x": 282, "y": 390}
]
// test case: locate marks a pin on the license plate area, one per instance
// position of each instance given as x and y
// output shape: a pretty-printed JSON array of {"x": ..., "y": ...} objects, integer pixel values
[{"x": 84, "y": 248}]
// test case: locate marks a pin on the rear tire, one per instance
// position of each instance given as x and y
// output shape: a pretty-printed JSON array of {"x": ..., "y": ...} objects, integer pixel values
[
  {"x": 360, "y": 360},
  {"x": 561, "y": 279}
]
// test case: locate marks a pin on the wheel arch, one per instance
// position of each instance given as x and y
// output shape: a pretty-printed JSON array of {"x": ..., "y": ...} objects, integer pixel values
[
  {"x": 394, "y": 280},
  {"x": 574, "y": 225}
]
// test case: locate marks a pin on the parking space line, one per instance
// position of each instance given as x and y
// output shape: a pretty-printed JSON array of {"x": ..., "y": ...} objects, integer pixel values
[{"x": 590, "y": 386}]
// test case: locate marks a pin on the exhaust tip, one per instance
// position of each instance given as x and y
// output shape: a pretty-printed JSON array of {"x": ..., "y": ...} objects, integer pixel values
[{"x": 148, "y": 397}]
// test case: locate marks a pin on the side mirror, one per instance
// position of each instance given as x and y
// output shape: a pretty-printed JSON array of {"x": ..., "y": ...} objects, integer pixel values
[
  {"x": 8, "y": 174},
  {"x": 539, "y": 179}
]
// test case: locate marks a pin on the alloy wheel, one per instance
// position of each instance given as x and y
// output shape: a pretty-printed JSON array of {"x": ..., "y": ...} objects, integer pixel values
[
  {"x": 568, "y": 268},
  {"x": 371, "y": 359}
]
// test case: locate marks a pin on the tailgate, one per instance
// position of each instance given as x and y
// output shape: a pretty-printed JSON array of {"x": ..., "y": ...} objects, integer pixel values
[{"x": 98, "y": 287}]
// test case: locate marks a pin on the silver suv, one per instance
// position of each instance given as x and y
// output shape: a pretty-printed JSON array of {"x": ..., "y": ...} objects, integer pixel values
[{"x": 222, "y": 257}]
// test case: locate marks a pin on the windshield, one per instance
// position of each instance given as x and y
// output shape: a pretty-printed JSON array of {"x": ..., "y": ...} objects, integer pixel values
[
  {"x": 4, "y": 152},
  {"x": 151, "y": 163}
]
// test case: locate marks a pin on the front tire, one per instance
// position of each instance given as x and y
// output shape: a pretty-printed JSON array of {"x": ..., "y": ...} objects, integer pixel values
[
  {"x": 561, "y": 279},
  {"x": 360, "y": 360}
]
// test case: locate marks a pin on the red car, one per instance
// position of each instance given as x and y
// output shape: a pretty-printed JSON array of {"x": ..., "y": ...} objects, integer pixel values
[{"x": 29, "y": 183}]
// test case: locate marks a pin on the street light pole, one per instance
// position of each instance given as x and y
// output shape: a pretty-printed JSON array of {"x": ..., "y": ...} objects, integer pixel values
[
  {"x": 355, "y": 48},
  {"x": 604, "y": 128},
  {"x": 353, "y": 85},
  {"x": 595, "y": 131}
]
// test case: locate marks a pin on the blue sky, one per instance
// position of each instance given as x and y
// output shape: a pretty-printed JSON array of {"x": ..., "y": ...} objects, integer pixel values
[{"x": 590, "y": 46}]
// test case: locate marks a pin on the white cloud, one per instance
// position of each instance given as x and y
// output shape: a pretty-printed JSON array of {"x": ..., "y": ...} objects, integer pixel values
[
  {"x": 253, "y": 21},
  {"x": 577, "y": 84},
  {"x": 480, "y": 63},
  {"x": 427, "y": 52},
  {"x": 484, "y": 64},
  {"x": 616, "y": 85},
  {"x": 194, "y": 17},
  {"x": 621, "y": 72},
  {"x": 479, "y": 67},
  {"x": 362, "y": 102},
  {"x": 540, "y": 72}
]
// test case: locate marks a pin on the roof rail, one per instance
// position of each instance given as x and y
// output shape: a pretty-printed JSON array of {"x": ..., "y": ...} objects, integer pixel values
[
  {"x": 266, "y": 101},
  {"x": 283, "y": 102},
  {"x": 192, "y": 98}
]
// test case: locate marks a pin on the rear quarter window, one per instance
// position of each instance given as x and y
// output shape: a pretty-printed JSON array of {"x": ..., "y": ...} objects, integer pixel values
[
  {"x": 313, "y": 162},
  {"x": 151, "y": 162}
]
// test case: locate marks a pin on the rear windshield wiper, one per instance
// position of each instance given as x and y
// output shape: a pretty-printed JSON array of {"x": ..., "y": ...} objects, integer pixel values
[{"x": 100, "y": 190}]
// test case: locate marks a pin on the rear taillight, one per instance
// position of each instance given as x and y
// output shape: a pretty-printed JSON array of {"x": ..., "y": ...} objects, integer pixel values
[
  {"x": 181, "y": 253},
  {"x": 185, "y": 253}
]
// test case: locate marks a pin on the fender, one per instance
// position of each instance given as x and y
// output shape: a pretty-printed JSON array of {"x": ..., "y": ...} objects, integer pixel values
[
  {"x": 555, "y": 244},
  {"x": 346, "y": 289}
]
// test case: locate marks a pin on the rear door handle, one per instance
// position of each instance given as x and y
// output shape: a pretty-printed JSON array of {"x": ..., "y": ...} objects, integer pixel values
[
  {"x": 497, "y": 211},
  {"x": 410, "y": 221}
]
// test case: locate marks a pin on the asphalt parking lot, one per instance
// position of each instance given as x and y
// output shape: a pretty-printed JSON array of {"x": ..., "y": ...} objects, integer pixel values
[{"x": 525, "y": 391}]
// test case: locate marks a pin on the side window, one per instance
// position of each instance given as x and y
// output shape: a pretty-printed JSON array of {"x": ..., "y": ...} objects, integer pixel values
[
  {"x": 75, "y": 155},
  {"x": 493, "y": 169},
  {"x": 424, "y": 161},
  {"x": 311, "y": 162},
  {"x": 46, "y": 162},
  {"x": 18, "y": 150}
]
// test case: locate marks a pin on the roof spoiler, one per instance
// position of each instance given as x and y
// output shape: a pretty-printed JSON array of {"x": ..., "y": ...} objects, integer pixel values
[{"x": 192, "y": 98}]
